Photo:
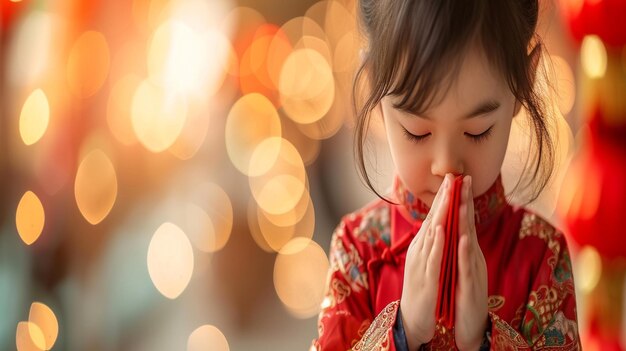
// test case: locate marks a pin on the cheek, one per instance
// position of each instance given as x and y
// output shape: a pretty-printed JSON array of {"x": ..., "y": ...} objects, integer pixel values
[
  {"x": 410, "y": 163},
  {"x": 487, "y": 164}
]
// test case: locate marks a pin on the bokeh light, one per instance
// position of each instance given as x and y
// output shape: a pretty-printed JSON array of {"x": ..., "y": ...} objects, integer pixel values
[
  {"x": 345, "y": 58},
  {"x": 251, "y": 120},
  {"x": 279, "y": 49},
  {"x": 42, "y": 320},
  {"x": 581, "y": 191},
  {"x": 277, "y": 230},
  {"x": 30, "y": 218},
  {"x": 177, "y": 58},
  {"x": 307, "y": 86},
  {"x": 95, "y": 188},
  {"x": 309, "y": 149},
  {"x": 34, "y": 117},
  {"x": 299, "y": 276},
  {"x": 207, "y": 337},
  {"x": 27, "y": 336},
  {"x": 588, "y": 269},
  {"x": 279, "y": 194},
  {"x": 170, "y": 260},
  {"x": 128, "y": 59},
  {"x": 88, "y": 64},
  {"x": 254, "y": 73},
  {"x": 281, "y": 177},
  {"x": 149, "y": 13},
  {"x": 295, "y": 215},
  {"x": 30, "y": 50},
  {"x": 210, "y": 218},
  {"x": 158, "y": 117},
  {"x": 119, "y": 108},
  {"x": 593, "y": 56},
  {"x": 246, "y": 21},
  {"x": 194, "y": 132}
]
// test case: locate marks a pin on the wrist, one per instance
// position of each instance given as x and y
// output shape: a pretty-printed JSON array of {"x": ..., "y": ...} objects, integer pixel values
[{"x": 413, "y": 338}]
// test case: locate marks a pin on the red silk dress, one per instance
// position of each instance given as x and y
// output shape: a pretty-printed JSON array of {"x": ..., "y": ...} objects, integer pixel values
[{"x": 531, "y": 299}]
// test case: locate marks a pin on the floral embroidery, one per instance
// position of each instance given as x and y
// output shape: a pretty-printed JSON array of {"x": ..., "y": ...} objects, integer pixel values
[
  {"x": 562, "y": 273},
  {"x": 546, "y": 316},
  {"x": 560, "y": 330},
  {"x": 376, "y": 338},
  {"x": 533, "y": 225},
  {"x": 349, "y": 263},
  {"x": 539, "y": 311},
  {"x": 374, "y": 226},
  {"x": 545, "y": 324}
]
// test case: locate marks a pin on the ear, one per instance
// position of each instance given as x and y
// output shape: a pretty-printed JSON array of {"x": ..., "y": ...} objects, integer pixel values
[{"x": 534, "y": 57}]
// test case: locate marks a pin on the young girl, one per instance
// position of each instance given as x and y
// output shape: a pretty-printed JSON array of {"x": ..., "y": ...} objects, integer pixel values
[{"x": 448, "y": 77}]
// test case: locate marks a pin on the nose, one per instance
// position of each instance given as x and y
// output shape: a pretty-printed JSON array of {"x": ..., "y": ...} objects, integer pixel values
[{"x": 447, "y": 159}]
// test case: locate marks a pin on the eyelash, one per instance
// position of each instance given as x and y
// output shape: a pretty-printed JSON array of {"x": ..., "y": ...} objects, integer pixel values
[
  {"x": 477, "y": 138},
  {"x": 480, "y": 137}
]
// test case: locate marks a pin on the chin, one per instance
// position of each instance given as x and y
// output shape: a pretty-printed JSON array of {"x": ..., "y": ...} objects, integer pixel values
[{"x": 427, "y": 198}]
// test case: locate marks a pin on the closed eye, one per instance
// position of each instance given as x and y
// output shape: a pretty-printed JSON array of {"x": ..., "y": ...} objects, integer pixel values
[
  {"x": 480, "y": 137},
  {"x": 414, "y": 138}
]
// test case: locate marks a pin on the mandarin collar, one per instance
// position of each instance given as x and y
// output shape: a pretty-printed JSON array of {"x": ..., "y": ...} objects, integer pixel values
[{"x": 487, "y": 207}]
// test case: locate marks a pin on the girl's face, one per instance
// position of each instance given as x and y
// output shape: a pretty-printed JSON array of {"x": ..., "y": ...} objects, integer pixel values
[{"x": 467, "y": 133}]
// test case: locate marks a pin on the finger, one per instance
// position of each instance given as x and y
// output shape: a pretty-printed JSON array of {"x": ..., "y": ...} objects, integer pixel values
[
  {"x": 466, "y": 224},
  {"x": 470, "y": 204},
  {"x": 441, "y": 211},
  {"x": 428, "y": 241},
  {"x": 426, "y": 223},
  {"x": 417, "y": 241},
  {"x": 438, "y": 198},
  {"x": 465, "y": 265},
  {"x": 434, "y": 258}
]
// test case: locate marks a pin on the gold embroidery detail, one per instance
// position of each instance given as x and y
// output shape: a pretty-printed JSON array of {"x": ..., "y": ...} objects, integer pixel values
[
  {"x": 495, "y": 302},
  {"x": 376, "y": 338},
  {"x": 534, "y": 225}
]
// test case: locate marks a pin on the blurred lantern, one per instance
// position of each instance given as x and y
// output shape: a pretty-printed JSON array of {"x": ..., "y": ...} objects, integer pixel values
[
  {"x": 594, "y": 191},
  {"x": 596, "y": 203},
  {"x": 604, "y": 18}
]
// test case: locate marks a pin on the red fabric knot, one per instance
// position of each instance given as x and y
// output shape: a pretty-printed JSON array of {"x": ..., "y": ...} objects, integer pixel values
[{"x": 387, "y": 257}]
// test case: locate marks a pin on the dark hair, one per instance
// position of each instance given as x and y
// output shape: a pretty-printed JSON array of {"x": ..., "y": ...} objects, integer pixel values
[{"x": 414, "y": 46}]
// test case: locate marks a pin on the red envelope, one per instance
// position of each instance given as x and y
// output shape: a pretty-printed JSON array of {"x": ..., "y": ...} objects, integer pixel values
[{"x": 448, "y": 276}]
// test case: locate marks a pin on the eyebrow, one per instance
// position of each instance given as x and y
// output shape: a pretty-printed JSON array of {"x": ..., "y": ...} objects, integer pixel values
[{"x": 481, "y": 109}]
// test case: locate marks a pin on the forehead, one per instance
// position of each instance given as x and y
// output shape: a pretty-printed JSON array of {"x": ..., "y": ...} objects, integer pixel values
[
  {"x": 454, "y": 82},
  {"x": 476, "y": 79}
]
